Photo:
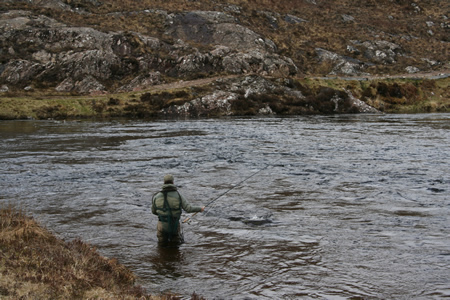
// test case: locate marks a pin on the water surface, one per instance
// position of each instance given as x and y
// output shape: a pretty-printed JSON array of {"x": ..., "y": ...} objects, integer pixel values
[{"x": 323, "y": 207}]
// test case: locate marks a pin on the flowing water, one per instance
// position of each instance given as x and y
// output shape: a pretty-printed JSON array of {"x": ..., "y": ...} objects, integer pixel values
[{"x": 325, "y": 207}]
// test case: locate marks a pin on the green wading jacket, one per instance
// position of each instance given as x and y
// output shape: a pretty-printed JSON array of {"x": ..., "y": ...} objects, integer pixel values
[{"x": 174, "y": 200}]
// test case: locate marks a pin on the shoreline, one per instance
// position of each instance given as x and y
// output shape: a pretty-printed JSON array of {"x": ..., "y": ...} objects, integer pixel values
[
  {"x": 388, "y": 94},
  {"x": 35, "y": 263}
]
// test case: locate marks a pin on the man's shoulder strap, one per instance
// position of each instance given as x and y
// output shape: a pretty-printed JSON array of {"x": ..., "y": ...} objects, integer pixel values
[{"x": 164, "y": 192}]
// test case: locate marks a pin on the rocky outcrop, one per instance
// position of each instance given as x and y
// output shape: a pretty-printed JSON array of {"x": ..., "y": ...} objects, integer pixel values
[
  {"x": 216, "y": 28},
  {"x": 259, "y": 62},
  {"x": 358, "y": 105},
  {"x": 383, "y": 52},
  {"x": 341, "y": 65},
  {"x": 42, "y": 51},
  {"x": 373, "y": 52},
  {"x": 95, "y": 47},
  {"x": 141, "y": 82},
  {"x": 215, "y": 104},
  {"x": 256, "y": 95},
  {"x": 86, "y": 85}
]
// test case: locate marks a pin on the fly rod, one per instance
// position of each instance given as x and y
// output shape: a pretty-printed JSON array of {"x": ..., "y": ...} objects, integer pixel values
[{"x": 241, "y": 182}]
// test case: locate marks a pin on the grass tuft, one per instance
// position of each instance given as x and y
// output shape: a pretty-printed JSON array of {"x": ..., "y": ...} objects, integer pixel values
[{"x": 35, "y": 264}]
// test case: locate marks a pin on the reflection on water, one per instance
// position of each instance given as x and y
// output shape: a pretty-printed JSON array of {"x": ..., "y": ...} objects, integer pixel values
[
  {"x": 165, "y": 261},
  {"x": 333, "y": 206}
]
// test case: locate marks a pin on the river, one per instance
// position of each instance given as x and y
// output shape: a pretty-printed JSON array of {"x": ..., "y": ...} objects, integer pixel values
[{"x": 316, "y": 207}]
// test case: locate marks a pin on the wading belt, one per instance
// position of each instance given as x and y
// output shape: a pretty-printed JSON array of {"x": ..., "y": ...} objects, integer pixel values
[{"x": 167, "y": 219}]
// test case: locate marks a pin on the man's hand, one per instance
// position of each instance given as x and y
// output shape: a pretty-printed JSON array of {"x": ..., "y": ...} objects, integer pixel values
[{"x": 203, "y": 209}]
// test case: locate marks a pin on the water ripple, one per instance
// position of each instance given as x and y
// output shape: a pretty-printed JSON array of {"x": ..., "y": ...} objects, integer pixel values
[{"x": 335, "y": 207}]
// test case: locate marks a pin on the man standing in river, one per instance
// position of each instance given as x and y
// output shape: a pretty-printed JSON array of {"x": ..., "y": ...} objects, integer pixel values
[{"x": 167, "y": 205}]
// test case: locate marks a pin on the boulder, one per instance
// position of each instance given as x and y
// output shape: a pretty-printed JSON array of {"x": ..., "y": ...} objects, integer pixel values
[
  {"x": 342, "y": 65},
  {"x": 374, "y": 52},
  {"x": 291, "y": 19},
  {"x": 19, "y": 72},
  {"x": 41, "y": 49},
  {"x": 258, "y": 95},
  {"x": 217, "y": 103},
  {"x": 141, "y": 82},
  {"x": 412, "y": 69},
  {"x": 87, "y": 85},
  {"x": 383, "y": 52},
  {"x": 250, "y": 85},
  {"x": 348, "y": 18},
  {"x": 215, "y": 28},
  {"x": 361, "y": 106},
  {"x": 259, "y": 62},
  {"x": 194, "y": 63}
]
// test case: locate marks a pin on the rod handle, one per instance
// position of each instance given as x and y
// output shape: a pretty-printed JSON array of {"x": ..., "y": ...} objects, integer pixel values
[{"x": 187, "y": 219}]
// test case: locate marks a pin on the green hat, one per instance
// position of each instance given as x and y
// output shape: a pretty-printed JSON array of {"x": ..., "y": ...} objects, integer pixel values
[{"x": 168, "y": 178}]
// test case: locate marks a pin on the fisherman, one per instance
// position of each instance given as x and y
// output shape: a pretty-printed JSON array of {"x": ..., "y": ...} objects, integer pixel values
[{"x": 167, "y": 205}]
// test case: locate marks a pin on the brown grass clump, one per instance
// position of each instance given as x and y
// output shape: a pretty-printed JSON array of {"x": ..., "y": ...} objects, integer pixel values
[
  {"x": 407, "y": 96},
  {"x": 34, "y": 264},
  {"x": 400, "y": 22}
]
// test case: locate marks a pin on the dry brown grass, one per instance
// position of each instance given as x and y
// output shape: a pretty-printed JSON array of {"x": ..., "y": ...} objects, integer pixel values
[
  {"x": 394, "y": 21},
  {"x": 34, "y": 264}
]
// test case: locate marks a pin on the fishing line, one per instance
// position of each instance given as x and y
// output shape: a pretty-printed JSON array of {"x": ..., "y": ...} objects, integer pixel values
[{"x": 235, "y": 186}]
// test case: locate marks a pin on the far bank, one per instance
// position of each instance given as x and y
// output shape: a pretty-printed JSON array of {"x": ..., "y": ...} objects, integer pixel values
[{"x": 238, "y": 95}]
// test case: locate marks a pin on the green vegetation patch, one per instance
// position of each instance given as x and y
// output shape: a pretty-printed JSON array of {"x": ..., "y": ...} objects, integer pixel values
[
  {"x": 407, "y": 95},
  {"x": 33, "y": 108},
  {"x": 399, "y": 95},
  {"x": 392, "y": 95}
]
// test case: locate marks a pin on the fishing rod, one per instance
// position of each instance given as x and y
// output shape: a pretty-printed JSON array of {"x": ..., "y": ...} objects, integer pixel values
[{"x": 223, "y": 194}]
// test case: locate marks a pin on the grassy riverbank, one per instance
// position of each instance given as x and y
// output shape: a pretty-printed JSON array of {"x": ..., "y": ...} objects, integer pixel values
[
  {"x": 399, "y": 94},
  {"x": 34, "y": 264},
  {"x": 391, "y": 95}
]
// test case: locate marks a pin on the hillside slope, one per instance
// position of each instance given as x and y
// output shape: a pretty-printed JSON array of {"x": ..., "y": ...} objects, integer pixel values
[{"x": 71, "y": 47}]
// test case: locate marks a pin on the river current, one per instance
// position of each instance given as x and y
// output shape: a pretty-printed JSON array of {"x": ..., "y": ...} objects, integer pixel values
[{"x": 317, "y": 207}]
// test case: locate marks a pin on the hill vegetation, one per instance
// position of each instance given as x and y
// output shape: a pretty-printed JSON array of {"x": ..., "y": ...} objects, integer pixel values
[
  {"x": 67, "y": 49},
  {"x": 296, "y": 27}
]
